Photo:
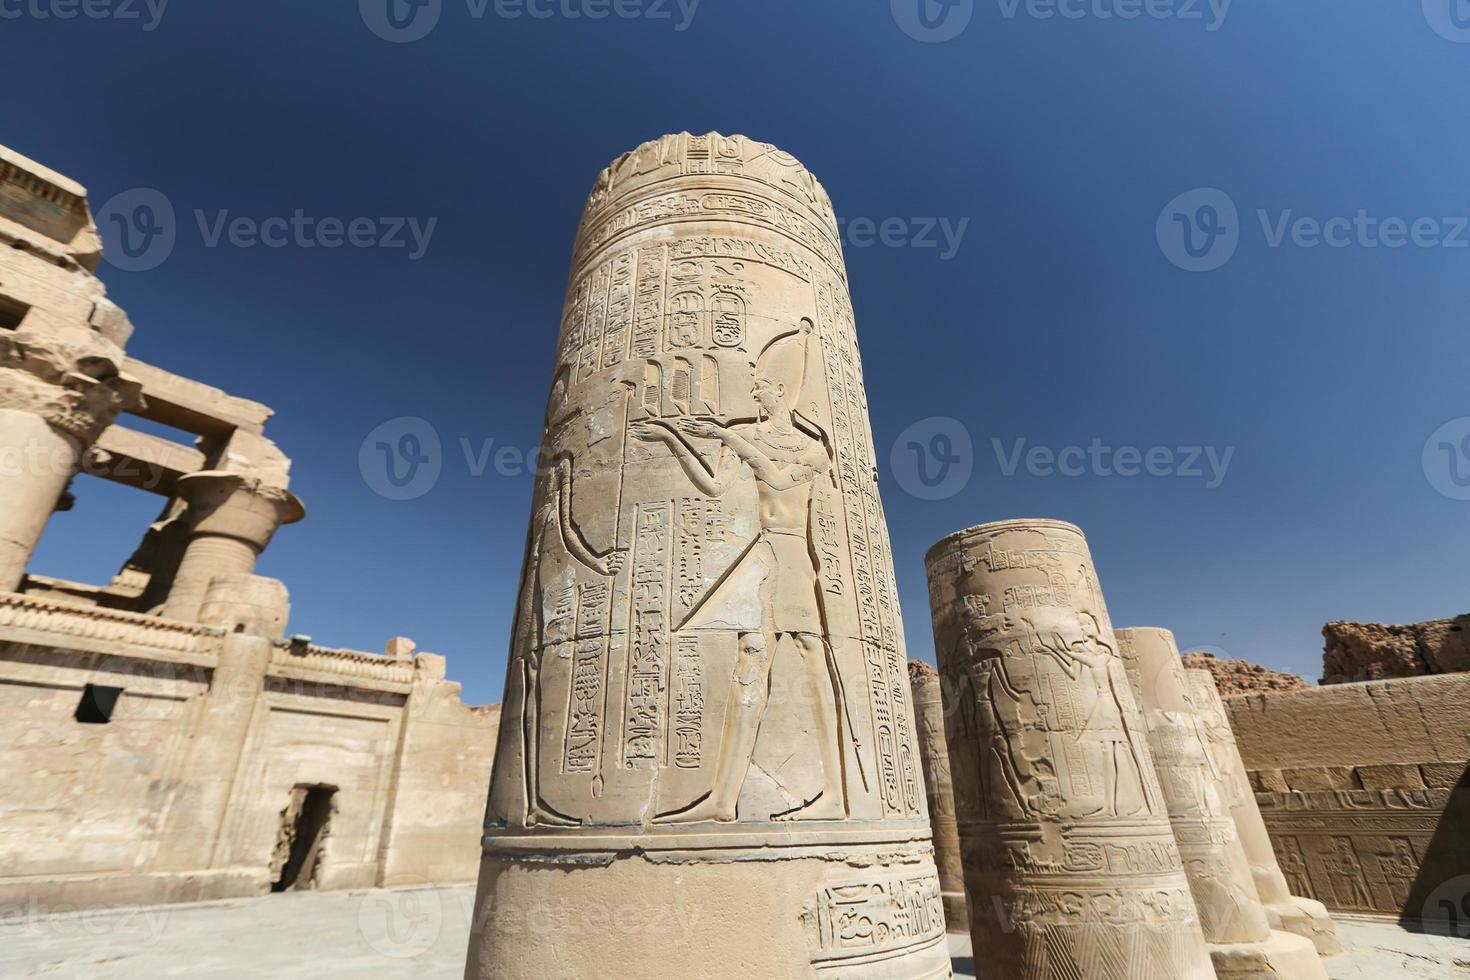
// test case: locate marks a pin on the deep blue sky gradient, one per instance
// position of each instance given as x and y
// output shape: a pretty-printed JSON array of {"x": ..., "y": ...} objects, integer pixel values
[{"x": 1058, "y": 321}]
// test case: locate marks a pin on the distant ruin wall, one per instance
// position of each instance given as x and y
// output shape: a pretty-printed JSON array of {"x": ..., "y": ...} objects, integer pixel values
[
  {"x": 1374, "y": 651},
  {"x": 179, "y": 794},
  {"x": 1364, "y": 788}
]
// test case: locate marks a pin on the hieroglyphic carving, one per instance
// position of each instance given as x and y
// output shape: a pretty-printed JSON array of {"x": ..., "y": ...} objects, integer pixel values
[
  {"x": 688, "y": 704},
  {"x": 1069, "y": 855},
  {"x": 584, "y": 728},
  {"x": 877, "y": 914},
  {"x": 649, "y": 302},
  {"x": 648, "y": 650}
]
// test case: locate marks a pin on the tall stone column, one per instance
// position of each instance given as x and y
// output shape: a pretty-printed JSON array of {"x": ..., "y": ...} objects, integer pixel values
[
  {"x": 55, "y": 399},
  {"x": 232, "y": 518},
  {"x": 1231, "y": 916},
  {"x": 939, "y": 790},
  {"x": 1071, "y": 868},
  {"x": 707, "y": 756},
  {"x": 1287, "y": 912}
]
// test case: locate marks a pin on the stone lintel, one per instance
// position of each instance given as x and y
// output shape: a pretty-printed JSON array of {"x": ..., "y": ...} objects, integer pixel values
[
  {"x": 192, "y": 405},
  {"x": 142, "y": 461}
]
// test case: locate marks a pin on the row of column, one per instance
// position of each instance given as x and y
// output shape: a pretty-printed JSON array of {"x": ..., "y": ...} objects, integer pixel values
[
  {"x": 1100, "y": 815},
  {"x": 54, "y": 403}
]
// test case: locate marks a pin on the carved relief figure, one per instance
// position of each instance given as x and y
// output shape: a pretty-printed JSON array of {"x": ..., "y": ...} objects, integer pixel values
[
  {"x": 547, "y": 610},
  {"x": 1294, "y": 867},
  {"x": 1346, "y": 872},
  {"x": 785, "y": 459},
  {"x": 1111, "y": 748},
  {"x": 997, "y": 719}
]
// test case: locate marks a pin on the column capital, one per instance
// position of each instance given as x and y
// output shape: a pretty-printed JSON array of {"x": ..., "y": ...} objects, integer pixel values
[
  {"x": 237, "y": 505},
  {"x": 78, "y": 392}
]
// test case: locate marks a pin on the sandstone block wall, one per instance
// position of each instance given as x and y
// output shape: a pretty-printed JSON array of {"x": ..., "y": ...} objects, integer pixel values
[
  {"x": 182, "y": 793},
  {"x": 1365, "y": 791}
]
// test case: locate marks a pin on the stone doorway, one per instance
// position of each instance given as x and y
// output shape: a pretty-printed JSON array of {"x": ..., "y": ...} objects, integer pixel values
[{"x": 305, "y": 824}]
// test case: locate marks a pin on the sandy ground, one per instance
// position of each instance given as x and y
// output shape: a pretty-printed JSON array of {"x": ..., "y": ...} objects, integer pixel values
[{"x": 421, "y": 935}]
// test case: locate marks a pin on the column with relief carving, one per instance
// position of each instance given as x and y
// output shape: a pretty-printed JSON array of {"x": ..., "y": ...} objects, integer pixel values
[
  {"x": 1286, "y": 912},
  {"x": 707, "y": 752},
  {"x": 1071, "y": 868},
  {"x": 55, "y": 399},
  {"x": 939, "y": 788},
  {"x": 1242, "y": 943}
]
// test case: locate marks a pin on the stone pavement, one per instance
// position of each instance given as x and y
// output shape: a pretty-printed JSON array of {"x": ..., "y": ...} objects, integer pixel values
[{"x": 421, "y": 935}]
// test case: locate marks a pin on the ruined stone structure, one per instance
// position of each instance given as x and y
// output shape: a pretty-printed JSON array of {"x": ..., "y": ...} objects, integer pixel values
[
  {"x": 707, "y": 705},
  {"x": 1287, "y": 909},
  {"x": 1071, "y": 866},
  {"x": 1241, "y": 676},
  {"x": 1242, "y": 943},
  {"x": 939, "y": 791},
  {"x": 1365, "y": 789},
  {"x": 160, "y": 738},
  {"x": 1375, "y": 652}
]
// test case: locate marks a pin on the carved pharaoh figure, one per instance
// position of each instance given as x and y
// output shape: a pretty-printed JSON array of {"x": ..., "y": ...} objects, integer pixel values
[{"x": 784, "y": 461}]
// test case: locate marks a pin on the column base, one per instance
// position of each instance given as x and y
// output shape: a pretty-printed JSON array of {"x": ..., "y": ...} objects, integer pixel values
[
  {"x": 1282, "y": 955},
  {"x": 1306, "y": 917},
  {"x": 639, "y": 916}
]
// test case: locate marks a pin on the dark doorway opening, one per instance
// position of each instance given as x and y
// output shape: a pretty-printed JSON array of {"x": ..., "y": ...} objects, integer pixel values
[{"x": 305, "y": 824}]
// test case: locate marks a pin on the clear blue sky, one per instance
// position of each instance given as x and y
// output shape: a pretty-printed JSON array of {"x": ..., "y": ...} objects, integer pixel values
[{"x": 1060, "y": 319}]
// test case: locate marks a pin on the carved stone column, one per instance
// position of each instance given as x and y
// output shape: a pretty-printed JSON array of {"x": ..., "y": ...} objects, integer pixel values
[
  {"x": 1286, "y": 912},
  {"x": 1071, "y": 868},
  {"x": 232, "y": 518},
  {"x": 55, "y": 399},
  {"x": 707, "y": 753},
  {"x": 939, "y": 789},
  {"x": 1234, "y": 922}
]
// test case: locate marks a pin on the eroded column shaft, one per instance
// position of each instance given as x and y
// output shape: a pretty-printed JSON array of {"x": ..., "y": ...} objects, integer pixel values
[{"x": 939, "y": 789}]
